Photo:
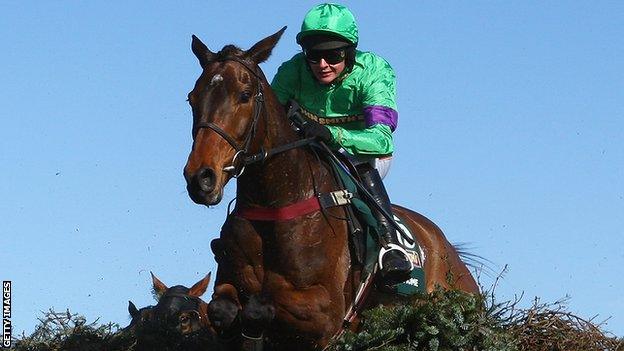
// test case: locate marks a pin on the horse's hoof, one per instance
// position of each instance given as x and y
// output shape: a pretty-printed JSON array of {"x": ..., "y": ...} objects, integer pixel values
[{"x": 222, "y": 313}]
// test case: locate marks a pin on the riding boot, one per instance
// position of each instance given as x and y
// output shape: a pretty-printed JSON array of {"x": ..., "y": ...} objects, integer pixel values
[{"x": 395, "y": 266}]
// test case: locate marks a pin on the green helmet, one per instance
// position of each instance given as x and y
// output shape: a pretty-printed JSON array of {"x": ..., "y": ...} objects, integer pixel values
[{"x": 329, "y": 20}]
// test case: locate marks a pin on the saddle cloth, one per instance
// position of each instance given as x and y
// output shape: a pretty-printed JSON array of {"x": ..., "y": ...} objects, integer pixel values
[
  {"x": 416, "y": 283},
  {"x": 363, "y": 212}
]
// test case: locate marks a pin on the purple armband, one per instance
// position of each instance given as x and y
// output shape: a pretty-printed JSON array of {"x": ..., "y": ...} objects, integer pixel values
[{"x": 381, "y": 114}]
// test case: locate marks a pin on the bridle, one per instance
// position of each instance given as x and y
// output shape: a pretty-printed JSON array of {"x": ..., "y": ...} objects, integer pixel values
[
  {"x": 241, "y": 157},
  {"x": 241, "y": 150},
  {"x": 197, "y": 302}
]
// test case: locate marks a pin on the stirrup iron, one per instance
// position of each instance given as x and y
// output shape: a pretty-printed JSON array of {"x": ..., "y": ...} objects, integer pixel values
[{"x": 394, "y": 247}]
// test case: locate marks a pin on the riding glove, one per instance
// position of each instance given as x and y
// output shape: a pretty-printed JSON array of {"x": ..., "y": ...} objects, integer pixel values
[
  {"x": 313, "y": 129},
  {"x": 307, "y": 127}
]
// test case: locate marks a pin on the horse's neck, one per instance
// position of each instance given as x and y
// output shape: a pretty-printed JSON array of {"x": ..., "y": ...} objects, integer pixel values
[
  {"x": 284, "y": 178},
  {"x": 281, "y": 180}
]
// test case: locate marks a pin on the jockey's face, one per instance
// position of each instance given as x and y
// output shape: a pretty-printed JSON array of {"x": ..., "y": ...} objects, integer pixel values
[
  {"x": 326, "y": 73},
  {"x": 326, "y": 65}
]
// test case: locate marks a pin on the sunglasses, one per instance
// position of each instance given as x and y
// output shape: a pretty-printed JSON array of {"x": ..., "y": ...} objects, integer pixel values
[{"x": 332, "y": 57}]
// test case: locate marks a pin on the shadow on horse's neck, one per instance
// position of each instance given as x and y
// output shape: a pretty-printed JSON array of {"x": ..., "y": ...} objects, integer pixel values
[{"x": 284, "y": 178}]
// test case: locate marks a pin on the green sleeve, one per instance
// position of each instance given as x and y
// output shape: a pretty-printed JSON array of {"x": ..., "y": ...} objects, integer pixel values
[
  {"x": 379, "y": 85},
  {"x": 374, "y": 141}
]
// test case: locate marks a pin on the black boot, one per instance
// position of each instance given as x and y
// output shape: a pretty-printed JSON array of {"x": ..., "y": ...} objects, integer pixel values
[{"x": 395, "y": 266}]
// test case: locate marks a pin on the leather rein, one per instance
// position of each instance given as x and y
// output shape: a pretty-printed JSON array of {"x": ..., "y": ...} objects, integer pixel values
[{"x": 242, "y": 157}]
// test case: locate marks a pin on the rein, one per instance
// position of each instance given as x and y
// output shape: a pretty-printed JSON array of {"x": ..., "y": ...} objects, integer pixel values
[{"x": 238, "y": 165}]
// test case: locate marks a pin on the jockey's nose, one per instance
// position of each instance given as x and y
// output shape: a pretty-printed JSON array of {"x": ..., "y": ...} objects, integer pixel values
[{"x": 205, "y": 178}]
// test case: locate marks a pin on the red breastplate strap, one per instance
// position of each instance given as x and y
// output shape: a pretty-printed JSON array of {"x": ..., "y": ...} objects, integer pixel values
[{"x": 285, "y": 213}]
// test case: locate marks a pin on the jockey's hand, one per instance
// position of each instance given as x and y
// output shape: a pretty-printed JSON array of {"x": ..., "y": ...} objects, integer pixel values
[
  {"x": 313, "y": 129},
  {"x": 307, "y": 127},
  {"x": 294, "y": 114}
]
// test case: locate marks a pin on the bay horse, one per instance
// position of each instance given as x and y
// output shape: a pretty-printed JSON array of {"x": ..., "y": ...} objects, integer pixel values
[{"x": 290, "y": 279}]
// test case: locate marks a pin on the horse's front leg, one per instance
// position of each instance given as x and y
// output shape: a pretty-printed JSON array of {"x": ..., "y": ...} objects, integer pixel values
[
  {"x": 239, "y": 256},
  {"x": 312, "y": 315},
  {"x": 225, "y": 306},
  {"x": 256, "y": 316},
  {"x": 240, "y": 329},
  {"x": 223, "y": 313}
]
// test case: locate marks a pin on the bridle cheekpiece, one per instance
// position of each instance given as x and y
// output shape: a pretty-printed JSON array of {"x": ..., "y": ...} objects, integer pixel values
[{"x": 239, "y": 161}]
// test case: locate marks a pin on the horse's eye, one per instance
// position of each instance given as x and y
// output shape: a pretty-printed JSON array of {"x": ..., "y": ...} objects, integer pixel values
[{"x": 245, "y": 96}]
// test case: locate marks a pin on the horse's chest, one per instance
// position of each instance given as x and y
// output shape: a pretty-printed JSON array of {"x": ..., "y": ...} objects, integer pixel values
[
  {"x": 304, "y": 247},
  {"x": 300, "y": 250}
]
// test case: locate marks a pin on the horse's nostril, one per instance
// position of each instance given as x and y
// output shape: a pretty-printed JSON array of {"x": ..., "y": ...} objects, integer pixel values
[{"x": 206, "y": 179}]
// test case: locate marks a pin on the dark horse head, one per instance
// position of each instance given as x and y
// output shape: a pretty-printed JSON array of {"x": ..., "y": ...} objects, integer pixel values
[
  {"x": 178, "y": 321},
  {"x": 228, "y": 103},
  {"x": 180, "y": 309}
]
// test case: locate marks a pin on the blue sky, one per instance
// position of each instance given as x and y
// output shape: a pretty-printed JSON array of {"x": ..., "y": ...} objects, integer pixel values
[{"x": 510, "y": 138}]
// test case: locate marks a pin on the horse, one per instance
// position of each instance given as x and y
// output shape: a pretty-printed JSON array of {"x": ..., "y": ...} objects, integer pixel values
[
  {"x": 178, "y": 321},
  {"x": 288, "y": 280}
]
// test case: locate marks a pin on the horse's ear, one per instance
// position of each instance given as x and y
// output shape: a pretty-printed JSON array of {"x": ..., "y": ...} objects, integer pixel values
[
  {"x": 134, "y": 312},
  {"x": 159, "y": 287},
  {"x": 200, "y": 287},
  {"x": 261, "y": 51},
  {"x": 204, "y": 55}
]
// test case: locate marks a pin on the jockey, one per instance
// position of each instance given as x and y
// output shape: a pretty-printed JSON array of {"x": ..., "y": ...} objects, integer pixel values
[{"x": 348, "y": 98}]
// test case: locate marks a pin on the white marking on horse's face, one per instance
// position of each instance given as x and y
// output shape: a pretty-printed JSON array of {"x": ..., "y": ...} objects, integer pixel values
[{"x": 216, "y": 79}]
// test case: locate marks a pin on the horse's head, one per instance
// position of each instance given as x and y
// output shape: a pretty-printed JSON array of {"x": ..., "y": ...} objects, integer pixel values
[
  {"x": 227, "y": 103},
  {"x": 180, "y": 311}
]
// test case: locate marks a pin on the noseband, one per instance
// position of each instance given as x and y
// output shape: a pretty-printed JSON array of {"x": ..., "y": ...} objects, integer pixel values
[{"x": 240, "y": 157}]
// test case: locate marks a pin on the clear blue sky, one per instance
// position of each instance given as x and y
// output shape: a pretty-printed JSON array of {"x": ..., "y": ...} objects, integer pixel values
[{"x": 511, "y": 138}]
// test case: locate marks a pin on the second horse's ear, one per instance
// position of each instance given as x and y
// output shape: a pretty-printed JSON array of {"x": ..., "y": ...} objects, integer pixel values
[
  {"x": 159, "y": 287},
  {"x": 261, "y": 51},
  {"x": 200, "y": 287}
]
